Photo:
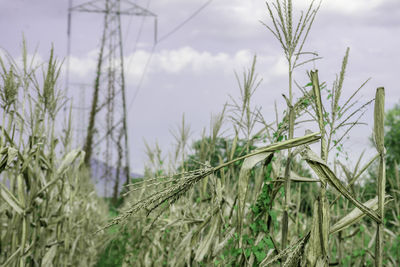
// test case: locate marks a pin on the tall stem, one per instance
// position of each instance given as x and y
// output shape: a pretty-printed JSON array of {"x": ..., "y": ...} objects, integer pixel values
[
  {"x": 285, "y": 220},
  {"x": 379, "y": 119}
]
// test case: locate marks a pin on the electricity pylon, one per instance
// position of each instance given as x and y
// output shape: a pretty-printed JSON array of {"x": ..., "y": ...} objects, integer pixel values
[{"x": 107, "y": 128}]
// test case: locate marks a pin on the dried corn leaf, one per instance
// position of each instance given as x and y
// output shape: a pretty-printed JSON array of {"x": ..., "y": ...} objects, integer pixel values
[
  {"x": 293, "y": 142},
  {"x": 327, "y": 176},
  {"x": 12, "y": 153},
  {"x": 244, "y": 176},
  {"x": 354, "y": 216},
  {"x": 205, "y": 244},
  {"x": 73, "y": 247},
  {"x": 11, "y": 199},
  {"x": 11, "y": 258},
  {"x": 379, "y": 119},
  {"x": 49, "y": 256},
  {"x": 285, "y": 252},
  {"x": 309, "y": 138},
  {"x": 21, "y": 191},
  {"x": 196, "y": 233},
  {"x": 316, "y": 250},
  {"x": 68, "y": 160},
  {"x": 319, "y": 111},
  {"x": 222, "y": 244},
  {"x": 233, "y": 149},
  {"x": 183, "y": 249},
  {"x": 297, "y": 178},
  {"x": 295, "y": 255},
  {"x": 354, "y": 179}
]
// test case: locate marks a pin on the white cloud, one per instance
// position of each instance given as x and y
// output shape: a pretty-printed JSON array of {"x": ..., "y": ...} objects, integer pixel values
[
  {"x": 173, "y": 61},
  {"x": 134, "y": 63},
  {"x": 183, "y": 61},
  {"x": 199, "y": 62},
  {"x": 82, "y": 67},
  {"x": 280, "y": 66}
]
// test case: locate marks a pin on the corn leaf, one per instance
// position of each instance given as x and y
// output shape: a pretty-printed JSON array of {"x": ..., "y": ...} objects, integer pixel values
[
  {"x": 12, "y": 153},
  {"x": 319, "y": 111},
  {"x": 49, "y": 256},
  {"x": 317, "y": 247},
  {"x": 354, "y": 216},
  {"x": 68, "y": 160},
  {"x": 11, "y": 199},
  {"x": 379, "y": 119},
  {"x": 244, "y": 176},
  {"x": 205, "y": 244},
  {"x": 327, "y": 176}
]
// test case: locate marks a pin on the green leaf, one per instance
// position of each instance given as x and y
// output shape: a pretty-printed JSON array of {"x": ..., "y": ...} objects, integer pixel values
[
  {"x": 273, "y": 215},
  {"x": 253, "y": 227},
  {"x": 269, "y": 243},
  {"x": 308, "y": 84},
  {"x": 260, "y": 255}
]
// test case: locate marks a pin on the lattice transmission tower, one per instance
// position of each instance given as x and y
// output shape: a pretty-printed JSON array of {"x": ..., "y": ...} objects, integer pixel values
[{"x": 107, "y": 125}]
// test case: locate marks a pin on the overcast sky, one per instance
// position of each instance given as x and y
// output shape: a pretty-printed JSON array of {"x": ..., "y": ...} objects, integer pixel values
[{"x": 192, "y": 71}]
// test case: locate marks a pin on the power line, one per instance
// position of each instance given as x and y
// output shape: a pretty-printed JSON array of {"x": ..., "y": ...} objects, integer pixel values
[
  {"x": 139, "y": 86},
  {"x": 175, "y": 29},
  {"x": 138, "y": 37},
  {"x": 185, "y": 21}
]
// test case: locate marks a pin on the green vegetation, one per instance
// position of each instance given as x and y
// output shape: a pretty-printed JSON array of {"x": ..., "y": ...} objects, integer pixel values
[{"x": 392, "y": 124}]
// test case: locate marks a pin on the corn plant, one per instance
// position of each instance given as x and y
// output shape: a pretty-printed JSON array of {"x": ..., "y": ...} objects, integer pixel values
[{"x": 48, "y": 202}]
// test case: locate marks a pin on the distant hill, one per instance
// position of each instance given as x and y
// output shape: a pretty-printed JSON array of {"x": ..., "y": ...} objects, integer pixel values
[{"x": 98, "y": 169}]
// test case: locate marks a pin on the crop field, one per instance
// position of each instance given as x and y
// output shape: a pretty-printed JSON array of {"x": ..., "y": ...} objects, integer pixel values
[{"x": 276, "y": 192}]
